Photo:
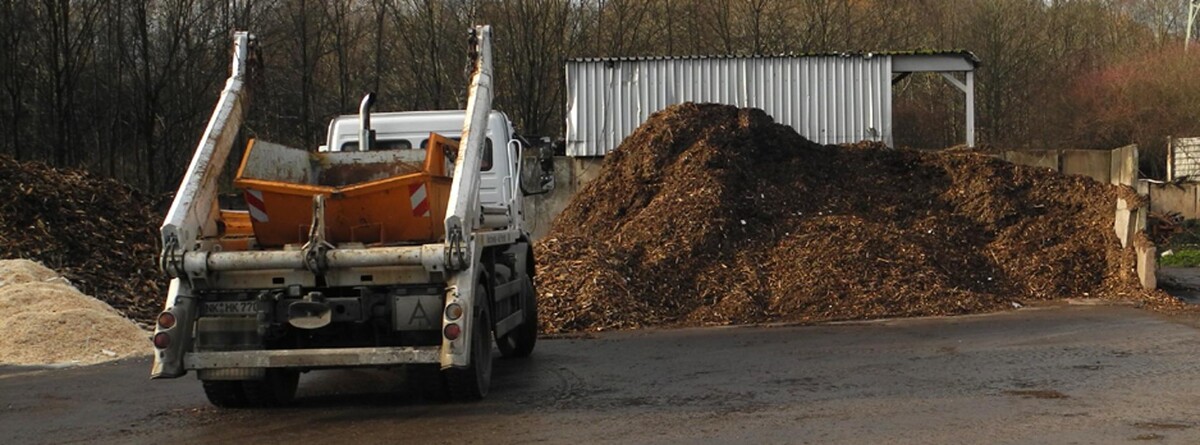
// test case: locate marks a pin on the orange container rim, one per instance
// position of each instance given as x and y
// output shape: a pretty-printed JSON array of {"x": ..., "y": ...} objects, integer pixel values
[{"x": 292, "y": 188}]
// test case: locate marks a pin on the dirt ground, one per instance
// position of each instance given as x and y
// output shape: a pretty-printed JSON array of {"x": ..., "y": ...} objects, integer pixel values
[{"x": 1056, "y": 375}]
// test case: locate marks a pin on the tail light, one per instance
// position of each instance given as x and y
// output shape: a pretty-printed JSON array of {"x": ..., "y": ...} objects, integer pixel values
[
  {"x": 454, "y": 311},
  {"x": 162, "y": 340},
  {"x": 452, "y": 331},
  {"x": 166, "y": 320}
]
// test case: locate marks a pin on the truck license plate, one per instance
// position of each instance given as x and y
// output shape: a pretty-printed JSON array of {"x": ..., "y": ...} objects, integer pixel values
[{"x": 231, "y": 308}]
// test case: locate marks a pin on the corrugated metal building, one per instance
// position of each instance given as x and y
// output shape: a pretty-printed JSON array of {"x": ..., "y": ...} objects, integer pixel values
[
  {"x": 829, "y": 98},
  {"x": 1183, "y": 158}
]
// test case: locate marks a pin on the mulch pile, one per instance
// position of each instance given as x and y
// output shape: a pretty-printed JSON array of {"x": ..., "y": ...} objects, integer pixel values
[
  {"x": 710, "y": 214},
  {"x": 98, "y": 233}
]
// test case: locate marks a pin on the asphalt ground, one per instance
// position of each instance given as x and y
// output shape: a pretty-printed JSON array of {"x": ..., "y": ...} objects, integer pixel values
[{"x": 1056, "y": 375}]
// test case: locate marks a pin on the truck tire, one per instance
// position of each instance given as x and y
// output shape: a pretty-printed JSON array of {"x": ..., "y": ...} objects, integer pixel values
[
  {"x": 225, "y": 393},
  {"x": 520, "y": 341},
  {"x": 472, "y": 382},
  {"x": 426, "y": 382},
  {"x": 277, "y": 388}
]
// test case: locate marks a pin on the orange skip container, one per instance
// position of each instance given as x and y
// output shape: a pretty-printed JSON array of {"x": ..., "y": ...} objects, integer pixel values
[{"x": 373, "y": 197}]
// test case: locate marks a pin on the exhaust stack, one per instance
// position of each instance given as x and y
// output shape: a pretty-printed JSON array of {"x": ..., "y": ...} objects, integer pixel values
[{"x": 366, "y": 136}]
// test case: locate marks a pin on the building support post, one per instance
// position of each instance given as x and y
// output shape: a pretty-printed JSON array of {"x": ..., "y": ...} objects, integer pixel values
[
  {"x": 971, "y": 109},
  {"x": 969, "y": 89}
]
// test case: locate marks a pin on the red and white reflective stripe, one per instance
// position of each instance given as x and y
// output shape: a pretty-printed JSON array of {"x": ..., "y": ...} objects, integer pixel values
[
  {"x": 419, "y": 200},
  {"x": 258, "y": 210}
]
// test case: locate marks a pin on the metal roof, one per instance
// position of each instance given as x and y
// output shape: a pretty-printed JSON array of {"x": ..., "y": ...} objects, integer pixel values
[{"x": 964, "y": 54}]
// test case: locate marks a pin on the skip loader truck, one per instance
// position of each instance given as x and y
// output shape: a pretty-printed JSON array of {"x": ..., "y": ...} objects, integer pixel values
[{"x": 400, "y": 243}]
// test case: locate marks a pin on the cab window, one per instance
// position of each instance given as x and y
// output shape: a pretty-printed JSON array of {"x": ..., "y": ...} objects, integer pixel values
[
  {"x": 485, "y": 164},
  {"x": 396, "y": 144}
]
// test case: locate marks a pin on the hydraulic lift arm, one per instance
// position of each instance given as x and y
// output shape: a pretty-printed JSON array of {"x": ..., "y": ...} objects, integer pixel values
[
  {"x": 463, "y": 210},
  {"x": 190, "y": 216}
]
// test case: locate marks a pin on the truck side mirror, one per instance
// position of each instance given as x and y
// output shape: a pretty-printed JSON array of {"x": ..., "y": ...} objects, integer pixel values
[{"x": 537, "y": 170}]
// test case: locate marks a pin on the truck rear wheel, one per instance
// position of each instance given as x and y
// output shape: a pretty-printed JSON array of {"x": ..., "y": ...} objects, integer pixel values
[
  {"x": 277, "y": 388},
  {"x": 426, "y": 381},
  {"x": 473, "y": 381},
  {"x": 225, "y": 393},
  {"x": 520, "y": 341}
]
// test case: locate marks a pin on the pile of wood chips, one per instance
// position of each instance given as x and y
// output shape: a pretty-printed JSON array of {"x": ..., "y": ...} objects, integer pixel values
[
  {"x": 100, "y": 234},
  {"x": 710, "y": 214},
  {"x": 44, "y": 320}
]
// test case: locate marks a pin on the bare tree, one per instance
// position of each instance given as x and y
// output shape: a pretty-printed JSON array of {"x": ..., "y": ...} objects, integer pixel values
[
  {"x": 430, "y": 55},
  {"x": 15, "y": 44},
  {"x": 298, "y": 40},
  {"x": 65, "y": 29},
  {"x": 623, "y": 27},
  {"x": 532, "y": 39},
  {"x": 346, "y": 28},
  {"x": 134, "y": 80}
]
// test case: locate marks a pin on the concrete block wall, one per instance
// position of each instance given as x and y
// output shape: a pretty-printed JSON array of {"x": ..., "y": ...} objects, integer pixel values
[
  {"x": 1118, "y": 167},
  {"x": 1034, "y": 158},
  {"x": 1125, "y": 222},
  {"x": 570, "y": 175},
  {"x": 1095, "y": 164},
  {"x": 1175, "y": 198},
  {"x": 1124, "y": 168},
  {"x": 1147, "y": 266}
]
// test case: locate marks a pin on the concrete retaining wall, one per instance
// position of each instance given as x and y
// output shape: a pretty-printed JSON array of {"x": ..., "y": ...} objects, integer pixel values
[
  {"x": 1127, "y": 223},
  {"x": 1034, "y": 158},
  {"x": 570, "y": 175},
  {"x": 1095, "y": 164},
  {"x": 1118, "y": 167},
  {"x": 1175, "y": 198},
  {"x": 1124, "y": 165}
]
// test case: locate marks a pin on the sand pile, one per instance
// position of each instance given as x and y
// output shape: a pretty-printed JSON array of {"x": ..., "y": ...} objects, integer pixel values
[
  {"x": 45, "y": 320},
  {"x": 100, "y": 234},
  {"x": 710, "y": 214}
]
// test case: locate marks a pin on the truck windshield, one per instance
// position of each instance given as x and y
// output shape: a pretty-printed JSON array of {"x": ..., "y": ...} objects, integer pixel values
[
  {"x": 404, "y": 144},
  {"x": 396, "y": 144}
]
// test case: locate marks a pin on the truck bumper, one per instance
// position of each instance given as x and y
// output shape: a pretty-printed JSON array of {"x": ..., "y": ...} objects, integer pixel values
[{"x": 312, "y": 358}]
